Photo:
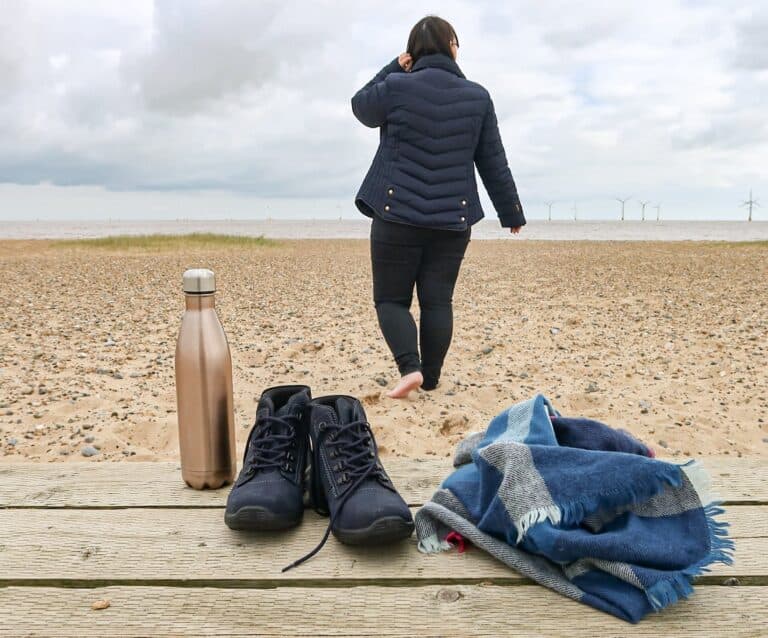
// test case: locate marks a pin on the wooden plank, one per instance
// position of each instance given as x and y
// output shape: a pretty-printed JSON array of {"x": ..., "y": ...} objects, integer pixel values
[
  {"x": 128, "y": 484},
  {"x": 143, "y": 546},
  {"x": 524, "y": 611},
  {"x": 158, "y": 484}
]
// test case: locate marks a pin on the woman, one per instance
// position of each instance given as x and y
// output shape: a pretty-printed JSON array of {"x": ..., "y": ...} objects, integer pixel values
[{"x": 435, "y": 126}]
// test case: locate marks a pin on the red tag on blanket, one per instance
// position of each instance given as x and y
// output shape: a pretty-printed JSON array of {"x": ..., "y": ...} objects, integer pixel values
[{"x": 458, "y": 541}]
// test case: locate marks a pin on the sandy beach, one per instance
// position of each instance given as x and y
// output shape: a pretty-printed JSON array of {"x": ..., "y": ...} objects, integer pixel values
[{"x": 668, "y": 340}]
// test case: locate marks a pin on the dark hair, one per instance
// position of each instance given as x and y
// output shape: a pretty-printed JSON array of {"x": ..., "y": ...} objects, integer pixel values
[{"x": 431, "y": 35}]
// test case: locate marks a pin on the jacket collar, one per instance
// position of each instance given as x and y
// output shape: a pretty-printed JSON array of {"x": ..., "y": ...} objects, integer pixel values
[{"x": 438, "y": 61}]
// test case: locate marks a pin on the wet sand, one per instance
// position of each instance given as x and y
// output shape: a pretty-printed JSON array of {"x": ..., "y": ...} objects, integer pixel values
[{"x": 668, "y": 340}]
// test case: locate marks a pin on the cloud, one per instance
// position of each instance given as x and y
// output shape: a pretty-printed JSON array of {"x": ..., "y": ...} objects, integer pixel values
[
  {"x": 12, "y": 50},
  {"x": 202, "y": 51},
  {"x": 253, "y": 97},
  {"x": 726, "y": 133},
  {"x": 751, "y": 49},
  {"x": 585, "y": 29}
]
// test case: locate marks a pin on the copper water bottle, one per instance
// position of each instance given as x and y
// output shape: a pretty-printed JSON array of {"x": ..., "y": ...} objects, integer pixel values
[{"x": 204, "y": 388}]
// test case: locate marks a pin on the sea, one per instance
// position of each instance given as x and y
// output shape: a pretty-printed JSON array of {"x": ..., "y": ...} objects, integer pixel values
[{"x": 729, "y": 231}]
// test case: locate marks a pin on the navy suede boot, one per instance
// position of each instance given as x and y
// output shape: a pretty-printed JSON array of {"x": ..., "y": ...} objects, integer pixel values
[
  {"x": 348, "y": 481},
  {"x": 268, "y": 493}
]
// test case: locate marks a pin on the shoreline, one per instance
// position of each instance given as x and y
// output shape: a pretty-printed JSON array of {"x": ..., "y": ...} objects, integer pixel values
[{"x": 358, "y": 228}]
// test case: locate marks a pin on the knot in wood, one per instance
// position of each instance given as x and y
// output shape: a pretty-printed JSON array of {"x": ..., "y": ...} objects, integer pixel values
[{"x": 449, "y": 595}]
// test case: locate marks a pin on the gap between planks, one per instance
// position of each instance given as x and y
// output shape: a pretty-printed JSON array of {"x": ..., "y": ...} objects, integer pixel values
[{"x": 331, "y": 583}]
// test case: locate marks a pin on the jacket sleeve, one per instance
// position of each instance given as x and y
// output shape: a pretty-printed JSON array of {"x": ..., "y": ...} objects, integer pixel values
[
  {"x": 371, "y": 103},
  {"x": 491, "y": 161}
]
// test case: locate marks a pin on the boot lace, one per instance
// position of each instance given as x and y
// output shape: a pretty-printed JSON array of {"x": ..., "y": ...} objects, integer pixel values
[
  {"x": 355, "y": 447},
  {"x": 271, "y": 443}
]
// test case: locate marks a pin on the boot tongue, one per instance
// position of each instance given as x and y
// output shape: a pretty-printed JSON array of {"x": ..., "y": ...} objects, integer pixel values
[
  {"x": 295, "y": 404},
  {"x": 348, "y": 410}
]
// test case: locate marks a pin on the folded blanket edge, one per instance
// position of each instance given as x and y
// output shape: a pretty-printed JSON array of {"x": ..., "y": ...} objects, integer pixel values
[
  {"x": 626, "y": 494},
  {"x": 677, "y": 585}
]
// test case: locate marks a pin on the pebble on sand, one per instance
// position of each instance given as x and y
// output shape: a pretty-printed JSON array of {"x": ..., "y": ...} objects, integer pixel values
[
  {"x": 100, "y": 604},
  {"x": 617, "y": 332},
  {"x": 89, "y": 450}
]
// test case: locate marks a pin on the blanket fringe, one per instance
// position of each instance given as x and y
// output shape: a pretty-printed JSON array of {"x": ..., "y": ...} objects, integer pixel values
[
  {"x": 575, "y": 511},
  {"x": 680, "y": 584},
  {"x": 433, "y": 545},
  {"x": 553, "y": 514}
]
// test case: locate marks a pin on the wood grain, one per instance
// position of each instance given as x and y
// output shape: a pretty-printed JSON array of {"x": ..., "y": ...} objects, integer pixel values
[
  {"x": 129, "y": 484},
  {"x": 132, "y": 546},
  {"x": 133, "y": 535},
  {"x": 452, "y": 610}
]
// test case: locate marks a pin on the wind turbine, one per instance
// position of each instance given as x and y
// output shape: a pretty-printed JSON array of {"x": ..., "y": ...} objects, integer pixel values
[
  {"x": 549, "y": 206},
  {"x": 658, "y": 211},
  {"x": 750, "y": 202},
  {"x": 623, "y": 201},
  {"x": 575, "y": 211},
  {"x": 643, "y": 205}
]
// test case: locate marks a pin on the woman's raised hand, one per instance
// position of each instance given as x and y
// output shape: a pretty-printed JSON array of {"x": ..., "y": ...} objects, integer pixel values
[{"x": 405, "y": 61}]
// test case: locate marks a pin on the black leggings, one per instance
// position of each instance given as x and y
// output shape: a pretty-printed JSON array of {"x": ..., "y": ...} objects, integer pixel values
[{"x": 402, "y": 256}]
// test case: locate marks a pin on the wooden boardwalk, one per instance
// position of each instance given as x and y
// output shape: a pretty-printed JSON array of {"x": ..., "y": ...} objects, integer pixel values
[{"x": 132, "y": 534}]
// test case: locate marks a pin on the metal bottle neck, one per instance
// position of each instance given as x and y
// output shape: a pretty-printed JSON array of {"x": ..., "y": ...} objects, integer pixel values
[{"x": 205, "y": 301}]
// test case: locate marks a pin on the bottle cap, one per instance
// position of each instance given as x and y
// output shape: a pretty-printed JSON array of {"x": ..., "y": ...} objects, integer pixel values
[{"x": 199, "y": 281}]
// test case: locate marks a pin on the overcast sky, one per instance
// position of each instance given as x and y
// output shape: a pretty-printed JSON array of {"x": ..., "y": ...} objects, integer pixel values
[{"x": 240, "y": 108}]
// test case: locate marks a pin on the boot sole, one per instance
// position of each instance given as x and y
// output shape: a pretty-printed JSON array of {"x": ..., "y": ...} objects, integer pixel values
[
  {"x": 258, "y": 519},
  {"x": 385, "y": 530}
]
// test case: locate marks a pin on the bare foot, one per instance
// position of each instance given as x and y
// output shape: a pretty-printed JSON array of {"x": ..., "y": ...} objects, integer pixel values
[{"x": 407, "y": 384}]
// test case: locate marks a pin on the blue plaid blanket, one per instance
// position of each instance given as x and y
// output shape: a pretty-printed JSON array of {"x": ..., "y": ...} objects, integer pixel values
[{"x": 581, "y": 508}]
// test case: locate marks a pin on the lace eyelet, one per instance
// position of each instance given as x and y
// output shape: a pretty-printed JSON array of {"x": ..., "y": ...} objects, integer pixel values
[{"x": 322, "y": 426}]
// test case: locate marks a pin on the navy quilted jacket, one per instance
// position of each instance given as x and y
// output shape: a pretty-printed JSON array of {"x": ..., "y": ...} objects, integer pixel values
[{"x": 435, "y": 126}]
